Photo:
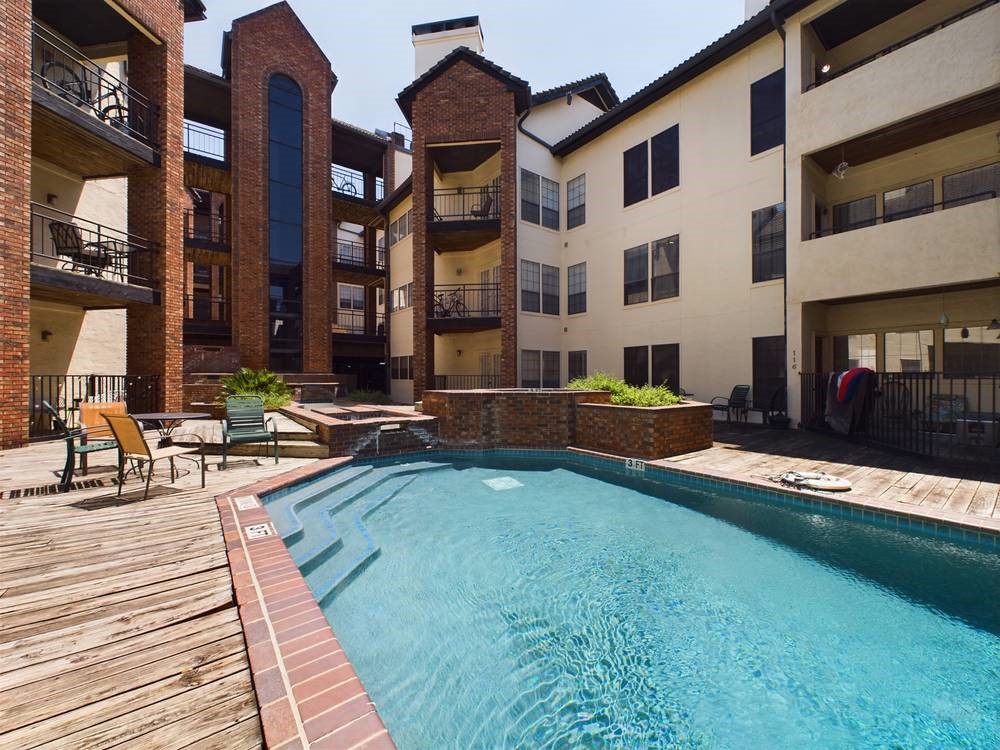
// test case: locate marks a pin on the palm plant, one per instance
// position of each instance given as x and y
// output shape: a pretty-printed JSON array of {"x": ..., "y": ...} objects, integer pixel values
[{"x": 263, "y": 383}]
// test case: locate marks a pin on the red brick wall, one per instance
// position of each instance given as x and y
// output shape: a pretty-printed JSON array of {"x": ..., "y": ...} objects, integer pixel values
[
  {"x": 275, "y": 41},
  {"x": 156, "y": 198},
  {"x": 508, "y": 419},
  {"x": 644, "y": 432},
  {"x": 358, "y": 437},
  {"x": 15, "y": 252},
  {"x": 463, "y": 104}
]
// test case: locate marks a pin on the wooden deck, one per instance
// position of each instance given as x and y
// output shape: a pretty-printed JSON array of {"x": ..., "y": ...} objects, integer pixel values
[
  {"x": 743, "y": 452},
  {"x": 117, "y": 616}
]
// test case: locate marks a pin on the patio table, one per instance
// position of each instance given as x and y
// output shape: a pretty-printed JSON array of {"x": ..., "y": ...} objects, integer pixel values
[{"x": 166, "y": 422}]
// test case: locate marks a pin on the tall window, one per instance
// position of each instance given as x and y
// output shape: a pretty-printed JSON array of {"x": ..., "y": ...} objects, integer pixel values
[
  {"x": 768, "y": 369},
  {"x": 531, "y": 368},
  {"x": 636, "y": 173},
  {"x": 667, "y": 365},
  {"x": 550, "y": 369},
  {"x": 401, "y": 368},
  {"x": 637, "y": 365},
  {"x": 979, "y": 184},
  {"x": 767, "y": 112},
  {"x": 530, "y": 196},
  {"x": 973, "y": 350},
  {"x": 666, "y": 268},
  {"x": 284, "y": 213},
  {"x": 401, "y": 297},
  {"x": 576, "y": 289},
  {"x": 576, "y": 201},
  {"x": 854, "y": 350},
  {"x": 550, "y": 290},
  {"x": 577, "y": 365},
  {"x": 909, "y": 351},
  {"x": 530, "y": 287},
  {"x": 636, "y": 275},
  {"x": 665, "y": 148},
  {"x": 768, "y": 228},
  {"x": 351, "y": 308},
  {"x": 550, "y": 203}
]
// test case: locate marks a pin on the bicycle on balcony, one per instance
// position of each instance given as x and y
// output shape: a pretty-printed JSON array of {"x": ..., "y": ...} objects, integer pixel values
[
  {"x": 450, "y": 304},
  {"x": 108, "y": 103}
]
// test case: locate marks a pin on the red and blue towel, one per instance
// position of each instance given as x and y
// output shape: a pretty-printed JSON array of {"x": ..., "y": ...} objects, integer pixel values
[{"x": 847, "y": 383}]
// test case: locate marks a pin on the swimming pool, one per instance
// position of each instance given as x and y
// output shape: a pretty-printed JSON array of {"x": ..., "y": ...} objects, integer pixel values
[{"x": 529, "y": 603}]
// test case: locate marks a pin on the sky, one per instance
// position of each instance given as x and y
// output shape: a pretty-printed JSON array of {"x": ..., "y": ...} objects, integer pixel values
[{"x": 546, "y": 42}]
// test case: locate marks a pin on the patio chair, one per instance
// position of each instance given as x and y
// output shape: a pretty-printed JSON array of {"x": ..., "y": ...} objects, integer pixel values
[
  {"x": 133, "y": 446},
  {"x": 482, "y": 210},
  {"x": 738, "y": 401},
  {"x": 95, "y": 425},
  {"x": 89, "y": 257},
  {"x": 72, "y": 449},
  {"x": 245, "y": 423}
]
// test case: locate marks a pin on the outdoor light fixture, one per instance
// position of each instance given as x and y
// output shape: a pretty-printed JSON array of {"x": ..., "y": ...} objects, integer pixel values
[
  {"x": 994, "y": 325},
  {"x": 825, "y": 69},
  {"x": 944, "y": 319},
  {"x": 965, "y": 332},
  {"x": 46, "y": 335},
  {"x": 840, "y": 171}
]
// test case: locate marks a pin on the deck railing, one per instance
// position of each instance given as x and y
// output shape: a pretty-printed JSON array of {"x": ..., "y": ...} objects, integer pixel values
[
  {"x": 350, "y": 253},
  {"x": 465, "y": 382},
  {"x": 203, "y": 227},
  {"x": 141, "y": 393},
  {"x": 64, "y": 70},
  {"x": 928, "y": 208},
  {"x": 70, "y": 243},
  {"x": 357, "y": 323},
  {"x": 466, "y": 301},
  {"x": 204, "y": 140},
  {"x": 951, "y": 416},
  {"x": 480, "y": 203},
  {"x": 351, "y": 182},
  {"x": 205, "y": 307}
]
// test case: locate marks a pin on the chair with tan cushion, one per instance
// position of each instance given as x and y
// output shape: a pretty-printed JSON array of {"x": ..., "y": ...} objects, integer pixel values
[
  {"x": 133, "y": 445},
  {"x": 95, "y": 427}
]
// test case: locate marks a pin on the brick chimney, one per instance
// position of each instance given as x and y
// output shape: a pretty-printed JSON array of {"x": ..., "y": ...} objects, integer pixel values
[{"x": 432, "y": 41}]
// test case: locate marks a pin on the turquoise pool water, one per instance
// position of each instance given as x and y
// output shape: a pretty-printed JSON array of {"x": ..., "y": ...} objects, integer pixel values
[{"x": 517, "y": 604}]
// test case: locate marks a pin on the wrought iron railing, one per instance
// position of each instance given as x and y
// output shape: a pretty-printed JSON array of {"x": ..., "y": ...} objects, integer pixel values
[
  {"x": 827, "y": 77},
  {"x": 351, "y": 182},
  {"x": 949, "y": 416},
  {"x": 465, "y": 382},
  {"x": 466, "y": 301},
  {"x": 204, "y": 140},
  {"x": 204, "y": 227},
  {"x": 350, "y": 253},
  {"x": 70, "y": 243},
  {"x": 402, "y": 135},
  {"x": 205, "y": 307},
  {"x": 64, "y": 70},
  {"x": 467, "y": 203},
  {"x": 900, "y": 215},
  {"x": 141, "y": 393},
  {"x": 358, "y": 323}
]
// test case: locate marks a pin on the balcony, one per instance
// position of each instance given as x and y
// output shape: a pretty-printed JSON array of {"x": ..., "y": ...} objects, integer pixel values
[
  {"x": 902, "y": 81},
  {"x": 74, "y": 259},
  {"x": 206, "y": 230},
  {"x": 353, "y": 265},
  {"x": 357, "y": 325},
  {"x": 207, "y": 318},
  {"x": 92, "y": 122},
  {"x": 465, "y": 382},
  {"x": 205, "y": 143},
  {"x": 464, "y": 218},
  {"x": 464, "y": 308}
]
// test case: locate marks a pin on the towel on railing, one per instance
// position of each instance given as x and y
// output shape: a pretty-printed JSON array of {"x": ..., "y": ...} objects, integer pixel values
[{"x": 849, "y": 397}]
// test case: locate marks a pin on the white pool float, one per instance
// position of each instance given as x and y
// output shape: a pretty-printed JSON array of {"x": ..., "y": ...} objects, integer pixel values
[{"x": 814, "y": 480}]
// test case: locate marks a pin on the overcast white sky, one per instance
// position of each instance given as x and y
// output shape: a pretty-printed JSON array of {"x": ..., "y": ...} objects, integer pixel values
[{"x": 546, "y": 42}]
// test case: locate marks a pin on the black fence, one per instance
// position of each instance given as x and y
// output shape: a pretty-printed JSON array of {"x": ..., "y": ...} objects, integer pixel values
[
  {"x": 466, "y": 301},
  {"x": 351, "y": 182},
  {"x": 206, "y": 227},
  {"x": 204, "y": 307},
  {"x": 204, "y": 140},
  {"x": 70, "y": 243},
  {"x": 65, "y": 71},
  {"x": 358, "y": 323},
  {"x": 928, "y": 208},
  {"x": 141, "y": 393},
  {"x": 951, "y": 416},
  {"x": 465, "y": 382},
  {"x": 467, "y": 203}
]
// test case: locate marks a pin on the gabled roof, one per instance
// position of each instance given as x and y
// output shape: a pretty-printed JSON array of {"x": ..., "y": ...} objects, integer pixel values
[
  {"x": 756, "y": 27},
  {"x": 392, "y": 199},
  {"x": 358, "y": 130},
  {"x": 194, "y": 10},
  {"x": 596, "y": 89},
  {"x": 521, "y": 89}
]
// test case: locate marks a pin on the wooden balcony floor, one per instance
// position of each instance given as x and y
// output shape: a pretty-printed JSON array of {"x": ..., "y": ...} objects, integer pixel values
[{"x": 117, "y": 618}]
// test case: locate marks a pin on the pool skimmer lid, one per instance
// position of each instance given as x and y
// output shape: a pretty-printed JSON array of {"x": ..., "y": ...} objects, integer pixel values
[
  {"x": 502, "y": 483},
  {"x": 258, "y": 530},
  {"x": 246, "y": 502}
]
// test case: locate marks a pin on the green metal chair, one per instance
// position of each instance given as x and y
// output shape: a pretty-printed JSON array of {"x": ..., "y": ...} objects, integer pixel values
[
  {"x": 245, "y": 423},
  {"x": 74, "y": 449}
]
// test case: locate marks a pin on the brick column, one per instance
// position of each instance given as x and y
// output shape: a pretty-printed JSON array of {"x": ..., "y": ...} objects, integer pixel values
[
  {"x": 156, "y": 200},
  {"x": 423, "y": 268},
  {"x": 15, "y": 250}
]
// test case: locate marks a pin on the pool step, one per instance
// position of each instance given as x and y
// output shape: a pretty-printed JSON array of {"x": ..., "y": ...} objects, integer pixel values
[{"x": 285, "y": 509}]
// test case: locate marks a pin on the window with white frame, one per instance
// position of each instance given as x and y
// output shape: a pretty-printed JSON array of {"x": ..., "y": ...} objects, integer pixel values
[
  {"x": 576, "y": 289},
  {"x": 531, "y": 368},
  {"x": 530, "y": 286},
  {"x": 351, "y": 308},
  {"x": 530, "y": 197},
  {"x": 550, "y": 290},
  {"x": 550, "y": 369},
  {"x": 550, "y": 204},
  {"x": 577, "y": 365},
  {"x": 576, "y": 201}
]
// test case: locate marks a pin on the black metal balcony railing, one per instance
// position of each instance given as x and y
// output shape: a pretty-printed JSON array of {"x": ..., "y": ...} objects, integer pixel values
[
  {"x": 827, "y": 77},
  {"x": 950, "y": 416},
  {"x": 203, "y": 227},
  {"x": 465, "y": 382},
  {"x": 205, "y": 307},
  {"x": 899, "y": 215},
  {"x": 358, "y": 323},
  {"x": 69, "y": 243},
  {"x": 350, "y": 253},
  {"x": 466, "y": 301},
  {"x": 204, "y": 140},
  {"x": 352, "y": 182},
  {"x": 65, "y": 71},
  {"x": 141, "y": 393},
  {"x": 467, "y": 203}
]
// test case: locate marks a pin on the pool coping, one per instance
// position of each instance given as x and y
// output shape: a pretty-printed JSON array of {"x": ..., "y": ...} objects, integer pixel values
[{"x": 292, "y": 648}]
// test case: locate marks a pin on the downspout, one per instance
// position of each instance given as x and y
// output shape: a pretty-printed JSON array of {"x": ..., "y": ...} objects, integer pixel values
[
  {"x": 532, "y": 136},
  {"x": 779, "y": 26}
]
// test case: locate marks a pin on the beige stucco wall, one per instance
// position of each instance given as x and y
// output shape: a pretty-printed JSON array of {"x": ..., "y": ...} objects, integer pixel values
[
  {"x": 556, "y": 119},
  {"x": 447, "y": 359}
]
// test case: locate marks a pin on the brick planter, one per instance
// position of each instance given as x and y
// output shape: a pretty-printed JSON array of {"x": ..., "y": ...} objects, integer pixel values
[{"x": 644, "y": 432}]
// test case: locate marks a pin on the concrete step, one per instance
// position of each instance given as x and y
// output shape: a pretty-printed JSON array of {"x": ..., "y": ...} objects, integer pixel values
[{"x": 294, "y": 448}]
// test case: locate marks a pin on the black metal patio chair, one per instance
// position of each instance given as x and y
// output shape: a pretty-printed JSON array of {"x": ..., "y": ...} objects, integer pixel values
[{"x": 738, "y": 402}]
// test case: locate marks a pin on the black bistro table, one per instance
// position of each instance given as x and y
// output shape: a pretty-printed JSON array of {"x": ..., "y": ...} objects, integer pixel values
[{"x": 165, "y": 422}]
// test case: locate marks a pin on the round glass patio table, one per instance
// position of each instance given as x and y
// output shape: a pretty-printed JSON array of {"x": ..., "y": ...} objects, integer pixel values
[{"x": 165, "y": 422}]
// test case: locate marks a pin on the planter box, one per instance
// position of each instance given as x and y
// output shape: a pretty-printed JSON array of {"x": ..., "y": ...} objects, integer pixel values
[{"x": 644, "y": 432}]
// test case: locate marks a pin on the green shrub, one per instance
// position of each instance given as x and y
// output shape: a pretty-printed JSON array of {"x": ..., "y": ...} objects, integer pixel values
[
  {"x": 368, "y": 397},
  {"x": 263, "y": 383},
  {"x": 624, "y": 394}
]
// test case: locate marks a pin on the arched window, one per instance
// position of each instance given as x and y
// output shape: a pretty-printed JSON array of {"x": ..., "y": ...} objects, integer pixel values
[{"x": 284, "y": 214}]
